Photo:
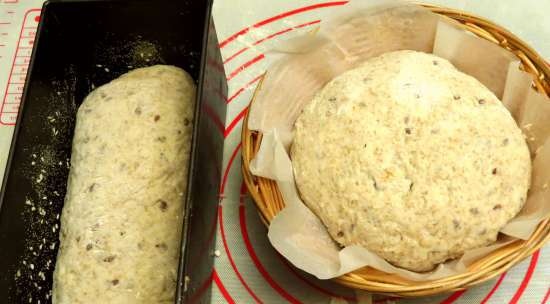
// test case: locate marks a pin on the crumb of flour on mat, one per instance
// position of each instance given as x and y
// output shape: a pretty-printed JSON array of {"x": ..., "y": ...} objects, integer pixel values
[{"x": 186, "y": 282}]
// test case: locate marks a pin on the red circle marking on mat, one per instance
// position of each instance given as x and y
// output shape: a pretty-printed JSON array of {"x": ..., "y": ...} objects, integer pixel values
[
  {"x": 449, "y": 300},
  {"x": 257, "y": 262},
  {"x": 280, "y": 16},
  {"x": 222, "y": 289},
  {"x": 526, "y": 278},
  {"x": 37, "y": 18},
  {"x": 492, "y": 291},
  {"x": 452, "y": 298},
  {"x": 231, "y": 261}
]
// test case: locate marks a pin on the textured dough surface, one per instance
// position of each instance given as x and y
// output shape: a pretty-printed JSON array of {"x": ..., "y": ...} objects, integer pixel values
[
  {"x": 121, "y": 222},
  {"x": 410, "y": 158}
]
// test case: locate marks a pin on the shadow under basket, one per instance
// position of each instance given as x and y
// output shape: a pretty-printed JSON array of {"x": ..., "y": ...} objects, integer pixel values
[{"x": 269, "y": 201}]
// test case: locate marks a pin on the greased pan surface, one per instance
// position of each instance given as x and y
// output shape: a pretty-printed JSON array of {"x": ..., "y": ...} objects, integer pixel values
[{"x": 81, "y": 45}]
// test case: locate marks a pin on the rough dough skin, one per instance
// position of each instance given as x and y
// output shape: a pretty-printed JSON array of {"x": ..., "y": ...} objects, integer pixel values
[
  {"x": 121, "y": 222},
  {"x": 411, "y": 159}
]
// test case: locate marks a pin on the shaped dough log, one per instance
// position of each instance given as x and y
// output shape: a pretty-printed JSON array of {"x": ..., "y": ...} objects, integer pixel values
[{"x": 122, "y": 218}]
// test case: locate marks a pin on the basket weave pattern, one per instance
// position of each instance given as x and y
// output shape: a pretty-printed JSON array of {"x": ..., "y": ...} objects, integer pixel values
[{"x": 269, "y": 201}]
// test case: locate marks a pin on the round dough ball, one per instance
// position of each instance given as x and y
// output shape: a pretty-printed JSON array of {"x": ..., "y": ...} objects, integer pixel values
[{"x": 410, "y": 158}]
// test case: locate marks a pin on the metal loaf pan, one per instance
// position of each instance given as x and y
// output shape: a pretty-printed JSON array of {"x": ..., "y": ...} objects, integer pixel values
[{"x": 81, "y": 45}]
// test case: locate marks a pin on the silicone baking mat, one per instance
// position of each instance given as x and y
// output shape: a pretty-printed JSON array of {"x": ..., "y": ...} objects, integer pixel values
[{"x": 247, "y": 269}]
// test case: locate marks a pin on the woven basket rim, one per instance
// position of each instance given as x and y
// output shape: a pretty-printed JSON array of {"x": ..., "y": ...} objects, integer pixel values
[{"x": 268, "y": 199}]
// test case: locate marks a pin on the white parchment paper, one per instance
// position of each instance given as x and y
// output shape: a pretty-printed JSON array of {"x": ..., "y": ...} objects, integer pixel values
[{"x": 359, "y": 31}]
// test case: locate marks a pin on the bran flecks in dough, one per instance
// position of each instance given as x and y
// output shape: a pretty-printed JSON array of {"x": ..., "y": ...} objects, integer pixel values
[
  {"x": 123, "y": 214},
  {"x": 411, "y": 159}
]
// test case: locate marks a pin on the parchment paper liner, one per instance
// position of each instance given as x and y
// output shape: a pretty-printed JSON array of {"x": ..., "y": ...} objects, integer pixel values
[{"x": 363, "y": 30}]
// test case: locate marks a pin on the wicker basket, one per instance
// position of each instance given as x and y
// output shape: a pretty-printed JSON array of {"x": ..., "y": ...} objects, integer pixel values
[{"x": 269, "y": 200}]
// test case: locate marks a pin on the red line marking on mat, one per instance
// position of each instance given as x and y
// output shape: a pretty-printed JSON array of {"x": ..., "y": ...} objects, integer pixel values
[
  {"x": 245, "y": 66},
  {"x": 222, "y": 288},
  {"x": 270, "y": 37},
  {"x": 273, "y": 35},
  {"x": 212, "y": 114},
  {"x": 492, "y": 291},
  {"x": 235, "y": 55},
  {"x": 222, "y": 230},
  {"x": 215, "y": 64},
  {"x": 526, "y": 278},
  {"x": 307, "y": 24},
  {"x": 230, "y": 258},
  {"x": 239, "y": 91},
  {"x": 195, "y": 297},
  {"x": 6, "y": 93},
  {"x": 257, "y": 262},
  {"x": 226, "y": 173},
  {"x": 216, "y": 89},
  {"x": 546, "y": 297},
  {"x": 280, "y": 16},
  {"x": 220, "y": 95},
  {"x": 452, "y": 298},
  {"x": 235, "y": 121}
]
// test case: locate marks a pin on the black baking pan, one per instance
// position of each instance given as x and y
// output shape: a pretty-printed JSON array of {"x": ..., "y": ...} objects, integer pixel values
[{"x": 81, "y": 45}]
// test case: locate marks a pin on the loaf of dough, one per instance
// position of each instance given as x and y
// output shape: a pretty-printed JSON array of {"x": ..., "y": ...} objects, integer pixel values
[
  {"x": 123, "y": 213},
  {"x": 411, "y": 159}
]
